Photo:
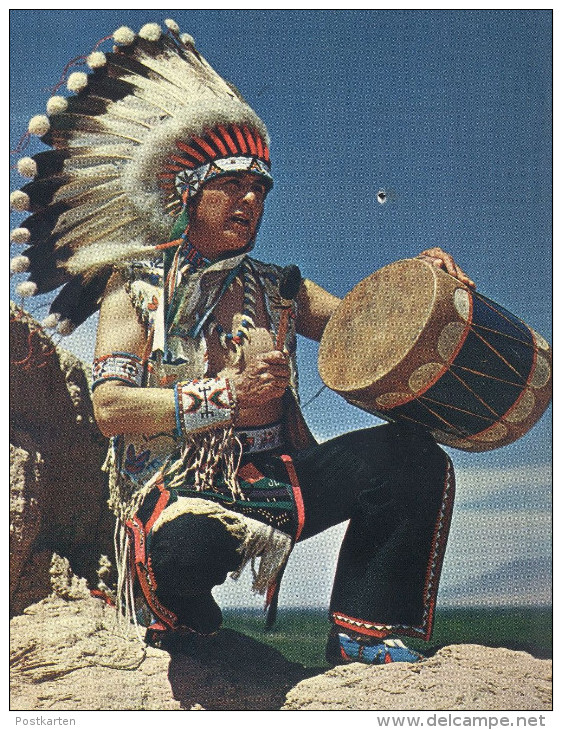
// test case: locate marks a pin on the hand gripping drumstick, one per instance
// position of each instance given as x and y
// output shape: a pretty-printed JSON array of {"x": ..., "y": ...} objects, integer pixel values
[{"x": 289, "y": 285}]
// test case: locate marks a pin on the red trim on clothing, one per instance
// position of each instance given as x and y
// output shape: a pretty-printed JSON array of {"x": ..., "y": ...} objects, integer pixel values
[
  {"x": 160, "y": 506},
  {"x": 291, "y": 471},
  {"x": 438, "y": 549},
  {"x": 271, "y": 588},
  {"x": 141, "y": 563},
  {"x": 103, "y": 596},
  {"x": 347, "y": 622}
]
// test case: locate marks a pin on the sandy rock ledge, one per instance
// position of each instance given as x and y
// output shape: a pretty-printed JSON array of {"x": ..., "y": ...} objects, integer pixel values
[{"x": 458, "y": 677}]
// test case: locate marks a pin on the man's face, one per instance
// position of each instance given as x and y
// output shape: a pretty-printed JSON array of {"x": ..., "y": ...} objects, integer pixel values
[{"x": 226, "y": 214}]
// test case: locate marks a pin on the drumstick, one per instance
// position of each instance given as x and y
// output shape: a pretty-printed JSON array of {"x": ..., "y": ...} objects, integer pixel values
[{"x": 289, "y": 285}]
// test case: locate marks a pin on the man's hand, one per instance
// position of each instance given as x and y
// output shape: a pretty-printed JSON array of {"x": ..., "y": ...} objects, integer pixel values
[
  {"x": 265, "y": 378},
  {"x": 443, "y": 260}
]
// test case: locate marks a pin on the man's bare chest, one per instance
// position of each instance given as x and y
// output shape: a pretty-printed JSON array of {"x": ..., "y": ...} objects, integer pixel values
[{"x": 230, "y": 316}]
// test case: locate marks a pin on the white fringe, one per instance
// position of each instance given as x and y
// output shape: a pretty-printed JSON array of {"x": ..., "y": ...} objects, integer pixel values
[{"x": 258, "y": 541}]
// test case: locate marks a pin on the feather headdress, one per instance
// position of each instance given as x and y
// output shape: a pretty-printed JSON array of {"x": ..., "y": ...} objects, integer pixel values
[{"x": 137, "y": 137}]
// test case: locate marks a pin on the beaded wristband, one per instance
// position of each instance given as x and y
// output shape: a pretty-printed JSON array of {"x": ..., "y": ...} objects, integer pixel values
[
  {"x": 120, "y": 366},
  {"x": 203, "y": 404}
]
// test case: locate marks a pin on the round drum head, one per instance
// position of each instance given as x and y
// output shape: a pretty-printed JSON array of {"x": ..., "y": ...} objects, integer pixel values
[
  {"x": 377, "y": 325},
  {"x": 413, "y": 345}
]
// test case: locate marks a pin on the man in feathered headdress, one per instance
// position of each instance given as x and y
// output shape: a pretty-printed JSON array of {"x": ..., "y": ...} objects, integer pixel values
[{"x": 151, "y": 199}]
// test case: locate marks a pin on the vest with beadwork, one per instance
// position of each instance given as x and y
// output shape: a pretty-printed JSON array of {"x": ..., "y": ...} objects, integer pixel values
[{"x": 136, "y": 460}]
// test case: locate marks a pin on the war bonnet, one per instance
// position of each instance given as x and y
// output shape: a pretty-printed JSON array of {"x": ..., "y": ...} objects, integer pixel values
[{"x": 137, "y": 136}]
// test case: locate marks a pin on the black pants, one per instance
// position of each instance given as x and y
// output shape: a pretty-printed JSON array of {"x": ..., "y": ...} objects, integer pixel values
[{"x": 395, "y": 486}]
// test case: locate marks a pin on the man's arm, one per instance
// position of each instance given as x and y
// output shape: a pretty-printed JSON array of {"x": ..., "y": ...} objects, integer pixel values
[
  {"x": 119, "y": 408},
  {"x": 315, "y": 307}
]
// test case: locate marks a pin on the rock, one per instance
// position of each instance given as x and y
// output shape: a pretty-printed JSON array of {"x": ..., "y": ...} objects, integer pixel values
[
  {"x": 26, "y": 496},
  {"x": 458, "y": 677},
  {"x": 72, "y": 655},
  {"x": 68, "y": 652},
  {"x": 58, "y": 493}
]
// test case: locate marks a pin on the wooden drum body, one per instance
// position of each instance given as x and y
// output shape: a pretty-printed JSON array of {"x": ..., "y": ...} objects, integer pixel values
[{"x": 411, "y": 343}]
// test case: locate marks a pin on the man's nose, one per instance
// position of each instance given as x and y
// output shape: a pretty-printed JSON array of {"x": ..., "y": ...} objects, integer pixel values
[{"x": 249, "y": 196}]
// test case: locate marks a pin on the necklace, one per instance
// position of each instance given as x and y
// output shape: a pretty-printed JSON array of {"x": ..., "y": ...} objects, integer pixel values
[
  {"x": 192, "y": 261},
  {"x": 242, "y": 322}
]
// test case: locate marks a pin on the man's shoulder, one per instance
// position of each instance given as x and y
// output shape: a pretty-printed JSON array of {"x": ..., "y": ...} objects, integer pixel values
[{"x": 266, "y": 269}]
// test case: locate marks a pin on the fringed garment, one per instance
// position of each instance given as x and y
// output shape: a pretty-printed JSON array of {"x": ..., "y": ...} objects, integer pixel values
[{"x": 202, "y": 472}]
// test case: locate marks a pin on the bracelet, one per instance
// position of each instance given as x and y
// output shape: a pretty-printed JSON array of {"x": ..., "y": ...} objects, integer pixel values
[
  {"x": 120, "y": 366},
  {"x": 203, "y": 404}
]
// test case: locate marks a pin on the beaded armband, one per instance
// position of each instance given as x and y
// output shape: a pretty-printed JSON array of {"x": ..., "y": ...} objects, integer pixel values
[
  {"x": 120, "y": 366},
  {"x": 203, "y": 404}
]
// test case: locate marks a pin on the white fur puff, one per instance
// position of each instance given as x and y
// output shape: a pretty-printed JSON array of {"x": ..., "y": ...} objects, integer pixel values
[
  {"x": 66, "y": 327},
  {"x": 39, "y": 125},
  {"x": 150, "y": 32},
  {"x": 172, "y": 25},
  {"x": 187, "y": 39},
  {"x": 19, "y": 264},
  {"x": 51, "y": 321},
  {"x": 96, "y": 60},
  {"x": 57, "y": 105},
  {"x": 124, "y": 36},
  {"x": 20, "y": 235},
  {"x": 26, "y": 289},
  {"x": 27, "y": 167},
  {"x": 19, "y": 200},
  {"x": 77, "y": 81}
]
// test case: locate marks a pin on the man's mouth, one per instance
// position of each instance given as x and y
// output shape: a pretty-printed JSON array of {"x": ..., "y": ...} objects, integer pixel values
[{"x": 241, "y": 220}]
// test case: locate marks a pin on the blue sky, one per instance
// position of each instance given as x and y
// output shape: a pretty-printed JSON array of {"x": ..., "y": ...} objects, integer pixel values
[{"x": 450, "y": 113}]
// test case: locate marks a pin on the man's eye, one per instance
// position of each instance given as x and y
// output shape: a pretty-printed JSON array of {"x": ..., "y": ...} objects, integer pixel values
[{"x": 231, "y": 183}]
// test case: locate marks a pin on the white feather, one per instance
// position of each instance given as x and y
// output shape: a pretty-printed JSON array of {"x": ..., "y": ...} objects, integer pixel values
[
  {"x": 27, "y": 167},
  {"x": 77, "y": 81},
  {"x": 187, "y": 40},
  {"x": 97, "y": 59},
  {"x": 124, "y": 36},
  {"x": 66, "y": 327},
  {"x": 19, "y": 201},
  {"x": 20, "y": 235},
  {"x": 26, "y": 289},
  {"x": 151, "y": 32},
  {"x": 87, "y": 214},
  {"x": 39, "y": 125},
  {"x": 172, "y": 25},
  {"x": 109, "y": 252},
  {"x": 57, "y": 105},
  {"x": 80, "y": 192},
  {"x": 19, "y": 264},
  {"x": 51, "y": 321}
]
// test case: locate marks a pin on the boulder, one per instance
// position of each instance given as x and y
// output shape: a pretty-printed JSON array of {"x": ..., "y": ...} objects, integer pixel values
[
  {"x": 58, "y": 493},
  {"x": 457, "y": 677},
  {"x": 69, "y": 652}
]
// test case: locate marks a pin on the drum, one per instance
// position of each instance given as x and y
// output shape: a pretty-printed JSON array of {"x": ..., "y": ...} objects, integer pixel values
[{"x": 411, "y": 343}]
